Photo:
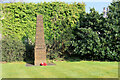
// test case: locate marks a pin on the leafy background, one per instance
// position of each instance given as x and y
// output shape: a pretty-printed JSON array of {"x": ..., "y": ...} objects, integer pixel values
[
  {"x": 69, "y": 31},
  {"x": 59, "y": 19}
]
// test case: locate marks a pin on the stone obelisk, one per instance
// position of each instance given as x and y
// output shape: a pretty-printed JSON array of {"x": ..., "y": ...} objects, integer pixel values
[{"x": 40, "y": 48}]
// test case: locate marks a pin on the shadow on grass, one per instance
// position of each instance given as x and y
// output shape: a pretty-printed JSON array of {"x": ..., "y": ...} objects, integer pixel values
[{"x": 77, "y": 58}]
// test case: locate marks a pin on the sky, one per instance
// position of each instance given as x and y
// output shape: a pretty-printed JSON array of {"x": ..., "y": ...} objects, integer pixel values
[{"x": 97, "y": 4}]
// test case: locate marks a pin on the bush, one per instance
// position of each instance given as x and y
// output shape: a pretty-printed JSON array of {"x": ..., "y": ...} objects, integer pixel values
[
  {"x": 13, "y": 49},
  {"x": 96, "y": 38},
  {"x": 87, "y": 43}
]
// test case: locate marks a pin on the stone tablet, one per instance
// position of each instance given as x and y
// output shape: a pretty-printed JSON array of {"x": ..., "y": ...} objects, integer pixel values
[{"x": 40, "y": 48}]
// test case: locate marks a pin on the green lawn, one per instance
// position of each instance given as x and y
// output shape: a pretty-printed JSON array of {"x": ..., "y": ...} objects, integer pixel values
[{"x": 82, "y": 69}]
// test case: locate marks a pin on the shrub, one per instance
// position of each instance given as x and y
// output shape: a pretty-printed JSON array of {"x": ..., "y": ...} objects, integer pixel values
[
  {"x": 87, "y": 43},
  {"x": 96, "y": 38},
  {"x": 13, "y": 49}
]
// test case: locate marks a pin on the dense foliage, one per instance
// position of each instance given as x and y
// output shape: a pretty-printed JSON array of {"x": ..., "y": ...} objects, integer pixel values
[
  {"x": 98, "y": 38},
  {"x": 59, "y": 19},
  {"x": 13, "y": 49},
  {"x": 69, "y": 31}
]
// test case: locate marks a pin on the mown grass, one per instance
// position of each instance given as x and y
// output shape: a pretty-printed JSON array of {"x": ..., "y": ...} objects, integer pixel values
[{"x": 80, "y": 69}]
